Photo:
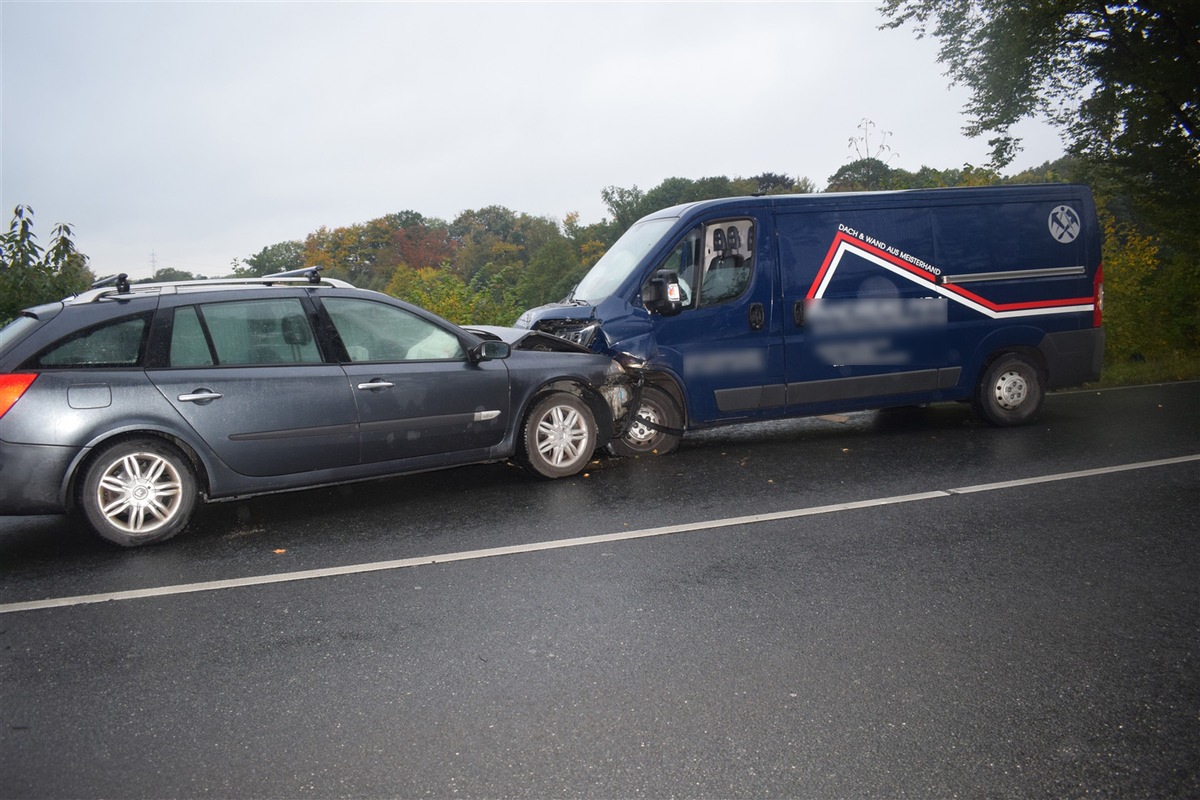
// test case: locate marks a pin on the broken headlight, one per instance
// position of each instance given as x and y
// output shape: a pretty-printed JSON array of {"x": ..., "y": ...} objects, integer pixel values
[{"x": 580, "y": 331}]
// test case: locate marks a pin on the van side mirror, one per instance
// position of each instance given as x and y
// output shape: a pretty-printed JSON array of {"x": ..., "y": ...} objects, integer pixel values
[
  {"x": 489, "y": 350},
  {"x": 661, "y": 293}
]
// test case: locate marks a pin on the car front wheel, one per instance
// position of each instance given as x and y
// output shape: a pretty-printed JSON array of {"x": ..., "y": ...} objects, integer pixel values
[
  {"x": 558, "y": 437},
  {"x": 138, "y": 492}
]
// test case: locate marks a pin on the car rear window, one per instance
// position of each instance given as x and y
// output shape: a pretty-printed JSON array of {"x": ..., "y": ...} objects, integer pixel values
[{"x": 116, "y": 343}]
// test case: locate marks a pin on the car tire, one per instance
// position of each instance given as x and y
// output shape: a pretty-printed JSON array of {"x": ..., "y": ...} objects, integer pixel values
[
  {"x": 1010, "y": 392},
  {"x": 641, "y": 439},
  {"x": 558, "y": 436},
  {"x": 137, "y": 492}
]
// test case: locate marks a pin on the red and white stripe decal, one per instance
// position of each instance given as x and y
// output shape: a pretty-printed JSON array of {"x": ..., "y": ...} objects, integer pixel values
[{"x": 844, "y": 243}]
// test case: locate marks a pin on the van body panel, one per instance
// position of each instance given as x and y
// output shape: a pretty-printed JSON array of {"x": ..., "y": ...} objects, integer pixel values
[{"x": 806, "y": 304}]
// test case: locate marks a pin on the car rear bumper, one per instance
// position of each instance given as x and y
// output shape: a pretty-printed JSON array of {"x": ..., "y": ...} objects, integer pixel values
[{"x": 32, "y": 478}]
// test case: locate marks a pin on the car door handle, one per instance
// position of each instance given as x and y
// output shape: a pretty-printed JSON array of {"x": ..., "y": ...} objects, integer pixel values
[
  {"x": 376, "y": 384},
  {"x": 199, "y": 396}
]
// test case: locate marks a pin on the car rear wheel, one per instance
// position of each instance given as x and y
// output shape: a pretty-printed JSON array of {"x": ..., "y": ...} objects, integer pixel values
[
  {"x": 1011, "y": 391},
  {"x": 138, "y": 492},
  {"x": 559, "y": 436},
  {"x": 646, "y": 436}
]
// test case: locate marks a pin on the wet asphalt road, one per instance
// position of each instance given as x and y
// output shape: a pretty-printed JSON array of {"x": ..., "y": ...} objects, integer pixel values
[{"x": 1032, "y": 640}]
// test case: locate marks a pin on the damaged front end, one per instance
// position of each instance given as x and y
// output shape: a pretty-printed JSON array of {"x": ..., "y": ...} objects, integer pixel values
[{"x": 622, "y": 387}]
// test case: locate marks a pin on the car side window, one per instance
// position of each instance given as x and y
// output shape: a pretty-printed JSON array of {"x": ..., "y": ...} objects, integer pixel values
[
  {"x": 117, "y": 343},
  {"x": 380, "y": 332},
  {"x": 243, "y": 333}
]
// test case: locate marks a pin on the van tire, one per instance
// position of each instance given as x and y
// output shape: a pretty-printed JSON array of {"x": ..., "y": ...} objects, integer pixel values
[
  {"x": 1011, "y": 391},
  {"x": 137, "y": 492},
  {"x": 641, "y": 439}
]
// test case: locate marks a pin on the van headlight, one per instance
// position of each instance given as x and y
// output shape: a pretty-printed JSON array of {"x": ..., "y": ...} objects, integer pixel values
[{"x": 580, "y": 331}]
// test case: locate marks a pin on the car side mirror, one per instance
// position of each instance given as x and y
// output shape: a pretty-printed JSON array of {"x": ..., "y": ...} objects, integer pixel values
[
  {"x": 661, "y": 294},
  {"x": 489, "y": 350}
]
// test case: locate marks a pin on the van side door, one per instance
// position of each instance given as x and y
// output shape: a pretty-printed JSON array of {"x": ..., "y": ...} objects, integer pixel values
[
  {"x": 725, "y": 342},
  {"x": 864, "y": 323}
]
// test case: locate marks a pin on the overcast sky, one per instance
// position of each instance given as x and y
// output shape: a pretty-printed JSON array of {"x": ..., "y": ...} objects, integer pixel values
[{"x": 189, "y": 134}]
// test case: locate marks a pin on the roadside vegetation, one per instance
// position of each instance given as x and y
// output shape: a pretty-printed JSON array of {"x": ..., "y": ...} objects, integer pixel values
[{"x": 1121, "y": 80}]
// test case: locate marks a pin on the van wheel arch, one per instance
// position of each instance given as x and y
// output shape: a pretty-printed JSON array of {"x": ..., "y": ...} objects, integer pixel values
[{"x": 662, "y": 401}]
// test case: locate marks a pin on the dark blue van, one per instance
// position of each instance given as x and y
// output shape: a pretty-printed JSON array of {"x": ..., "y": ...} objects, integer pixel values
[{"x": 755, "y": 308}]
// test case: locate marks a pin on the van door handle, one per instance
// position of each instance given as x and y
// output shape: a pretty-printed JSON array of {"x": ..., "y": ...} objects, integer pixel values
[
  {"x": 758, "y": 317},
  {"x": 200, "y": 396},
  {"x": 798, "y": 313},
  {"x": 376, "y": 384}
]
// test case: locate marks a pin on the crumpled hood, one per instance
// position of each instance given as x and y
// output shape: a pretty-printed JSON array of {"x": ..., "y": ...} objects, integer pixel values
[{"x": 525, "y": 339}]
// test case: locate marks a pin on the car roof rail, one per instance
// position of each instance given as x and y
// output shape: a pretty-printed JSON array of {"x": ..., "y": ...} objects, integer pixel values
[
  {"x": 120, "y": 285},
  {"x": 120, "y": 281}
]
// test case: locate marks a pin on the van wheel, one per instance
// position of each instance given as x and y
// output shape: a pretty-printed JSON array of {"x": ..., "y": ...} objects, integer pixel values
[
  {"x": 137, "y": 492},
  {"x": 644, "y": 438},
  {"x": 559, "y": 436},
  {"x": 1010, "y": 392}
]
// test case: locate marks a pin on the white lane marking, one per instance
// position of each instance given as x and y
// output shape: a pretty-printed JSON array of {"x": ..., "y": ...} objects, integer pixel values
[
  {"x": 558, "y": 544},
  {"x": 1070, "y": 476}
]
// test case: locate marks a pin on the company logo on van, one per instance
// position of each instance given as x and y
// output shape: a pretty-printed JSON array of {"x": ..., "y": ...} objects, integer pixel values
[
  {"x": 848, "y": 241},
  {"x": 1064, "y": 224}
]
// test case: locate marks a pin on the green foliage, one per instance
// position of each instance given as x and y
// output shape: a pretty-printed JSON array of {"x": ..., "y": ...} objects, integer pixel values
[
  {"x": 30, "y": 275},
  {"x": 166, "y": 274},
  {"x": 1132, "y": 323},
  {"x": 627, "y": 206},
  {"x": 551, "y": 274},
  {"x": 482, "y": 302},
  {"x": 1136, "y": 66},
  {"x": 281, "y": 257}
]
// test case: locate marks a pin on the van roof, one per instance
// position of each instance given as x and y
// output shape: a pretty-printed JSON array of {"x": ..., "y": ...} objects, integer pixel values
[{"x": 908, "y": 196}]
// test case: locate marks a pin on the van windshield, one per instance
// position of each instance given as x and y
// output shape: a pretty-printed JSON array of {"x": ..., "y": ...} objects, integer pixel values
[{"x": 621, "y": 259}]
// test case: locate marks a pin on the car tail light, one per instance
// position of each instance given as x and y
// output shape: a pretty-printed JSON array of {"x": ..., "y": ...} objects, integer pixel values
[
  {"x": 1098, "y": 297},
  {"x": 12, "y": 387}
]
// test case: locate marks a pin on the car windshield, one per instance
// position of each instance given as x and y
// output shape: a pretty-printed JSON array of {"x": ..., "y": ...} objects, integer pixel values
[{"x": 622, "y": 258}]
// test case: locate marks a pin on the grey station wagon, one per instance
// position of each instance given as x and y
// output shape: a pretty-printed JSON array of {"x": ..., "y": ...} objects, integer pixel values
[{"x": 127, "y": 403}]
